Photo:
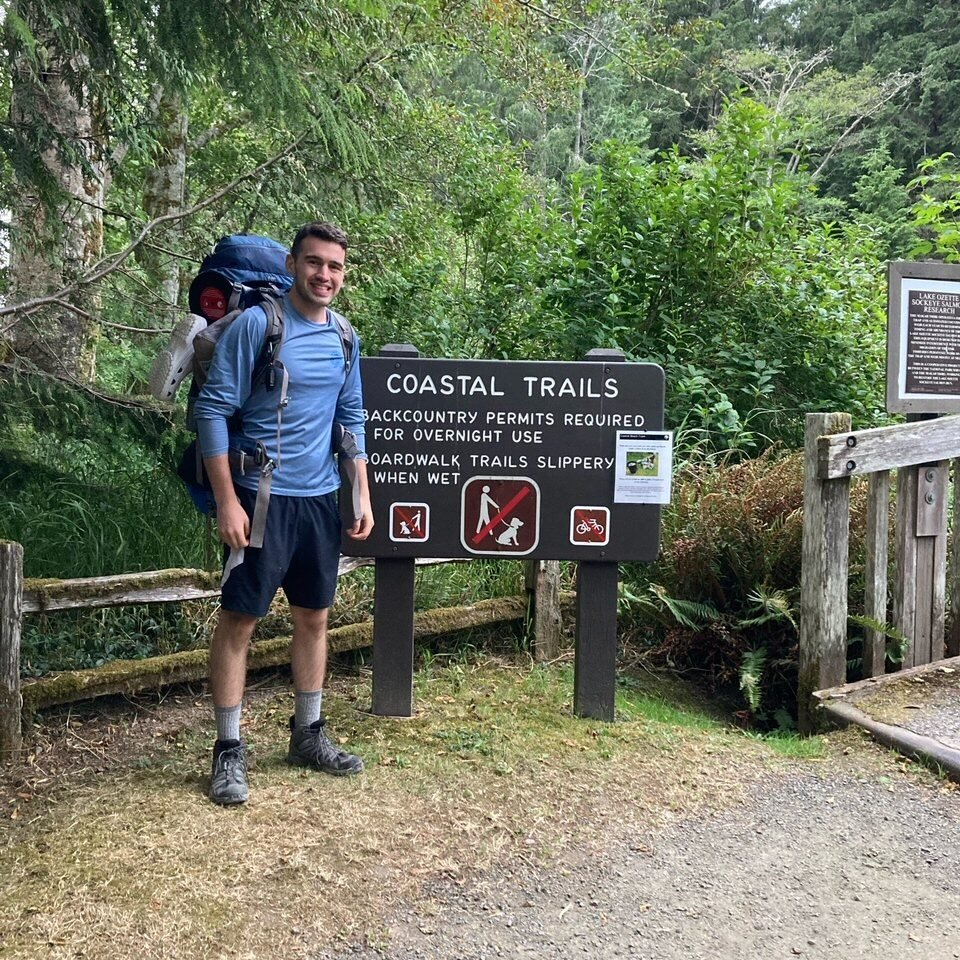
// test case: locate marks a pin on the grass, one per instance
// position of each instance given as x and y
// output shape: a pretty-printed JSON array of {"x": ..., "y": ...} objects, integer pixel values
[
  {"x": 791, "y": 744},
  {"x": 118, "y": 853}
]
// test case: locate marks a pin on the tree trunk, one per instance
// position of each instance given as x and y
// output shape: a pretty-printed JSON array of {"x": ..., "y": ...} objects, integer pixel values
[
  {"x": 54, "y": 239},
  {"x": 164, "y": 193}
]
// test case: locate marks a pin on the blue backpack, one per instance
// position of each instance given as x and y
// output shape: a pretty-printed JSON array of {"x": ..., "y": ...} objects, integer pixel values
[{"x": 242, "y": 269}]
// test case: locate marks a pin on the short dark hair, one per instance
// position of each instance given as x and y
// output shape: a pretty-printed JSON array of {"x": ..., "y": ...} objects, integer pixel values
[{"x": 322, "y": 230}]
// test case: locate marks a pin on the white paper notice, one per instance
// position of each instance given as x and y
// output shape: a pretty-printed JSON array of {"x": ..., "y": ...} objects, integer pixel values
[{"x": 644, "y": 467}]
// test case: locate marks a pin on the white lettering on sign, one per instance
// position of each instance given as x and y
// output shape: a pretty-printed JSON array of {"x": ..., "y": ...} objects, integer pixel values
[
  {"x": 396, "y": 476},
  {"x": 491, "y": 462},
  {"x": 447, "y": 385},
  {"x": 458, "y": 436},
  {"x": 575, "y": 463},
  {"x": 415, "y": 460},
  {"x": 603, "y": 420},
  {"x": 514, "y": 418},
  {"x": 569, "y": 387},
  {"x": 422, "y": 416}
]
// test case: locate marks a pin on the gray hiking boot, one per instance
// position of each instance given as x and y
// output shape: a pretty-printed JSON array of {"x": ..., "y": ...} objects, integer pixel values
[
  {"x": 311, "y": 747},
  {"x": 228, "y": 779}
]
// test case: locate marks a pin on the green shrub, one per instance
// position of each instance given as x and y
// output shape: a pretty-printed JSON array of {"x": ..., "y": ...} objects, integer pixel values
[{"x": 723, "y": 599}]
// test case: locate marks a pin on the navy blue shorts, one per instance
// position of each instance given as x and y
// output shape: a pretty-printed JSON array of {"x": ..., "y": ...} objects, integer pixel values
[{"x": 300, "y": 552}]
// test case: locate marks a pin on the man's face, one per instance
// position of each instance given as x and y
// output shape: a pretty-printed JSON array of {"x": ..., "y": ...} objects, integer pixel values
[{"x": 318, "y": 270}]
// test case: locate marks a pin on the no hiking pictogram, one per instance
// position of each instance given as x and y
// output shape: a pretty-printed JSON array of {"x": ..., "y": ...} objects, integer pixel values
[{"x": 500, "y": 515}]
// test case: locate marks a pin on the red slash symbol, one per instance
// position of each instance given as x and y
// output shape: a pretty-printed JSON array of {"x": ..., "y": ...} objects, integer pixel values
[
  {"x": 590, "y": 525},
  {"x": 517, "y": 498},
  {"x": 500, "y": 515}
]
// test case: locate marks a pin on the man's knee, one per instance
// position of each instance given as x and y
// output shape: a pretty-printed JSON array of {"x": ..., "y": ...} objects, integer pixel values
[
  {"x": 235, "y": 628},
  {"x": 310, "y": 621}
]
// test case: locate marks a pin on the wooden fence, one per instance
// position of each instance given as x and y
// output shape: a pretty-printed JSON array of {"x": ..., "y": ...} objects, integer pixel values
[
  {"x": 920, "y": 452},
  {"x": 19, "y": 597}
]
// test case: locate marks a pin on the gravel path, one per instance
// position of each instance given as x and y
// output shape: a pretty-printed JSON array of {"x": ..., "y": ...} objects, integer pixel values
[{"x": 808, "y": 865}]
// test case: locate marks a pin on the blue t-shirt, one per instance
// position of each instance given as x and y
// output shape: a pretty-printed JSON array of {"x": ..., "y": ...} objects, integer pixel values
[{"x": 319, "y": 393}]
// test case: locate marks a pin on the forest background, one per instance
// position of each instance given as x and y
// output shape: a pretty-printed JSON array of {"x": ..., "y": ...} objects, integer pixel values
[{"x": 713, "y": 185}]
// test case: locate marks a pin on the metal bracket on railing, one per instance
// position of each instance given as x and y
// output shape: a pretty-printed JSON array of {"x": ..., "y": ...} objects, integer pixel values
[{"x": 932, "y": 499}]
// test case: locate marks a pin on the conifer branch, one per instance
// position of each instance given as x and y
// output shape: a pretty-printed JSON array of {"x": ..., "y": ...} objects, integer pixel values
[{"x": 111, "y": 263}]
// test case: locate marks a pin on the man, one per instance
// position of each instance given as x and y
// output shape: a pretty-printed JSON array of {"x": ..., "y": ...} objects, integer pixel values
[{"x": 301, "y": 543}]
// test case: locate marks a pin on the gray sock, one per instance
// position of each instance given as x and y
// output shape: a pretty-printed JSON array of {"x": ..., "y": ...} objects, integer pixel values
[
  {"x": 308, "y": 707},
  {"x": 228, "y": 722}
]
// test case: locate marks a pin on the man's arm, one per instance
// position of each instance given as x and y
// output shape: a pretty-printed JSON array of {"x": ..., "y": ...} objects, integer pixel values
[
  {"x": 233, "y": 523},
  {"x": 364, "y": 523}
]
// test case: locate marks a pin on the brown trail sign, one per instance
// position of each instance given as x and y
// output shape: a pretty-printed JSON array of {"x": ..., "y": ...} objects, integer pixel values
[
  {"x": 473, "y": 458},
  {"x": 439, "y": 431}
]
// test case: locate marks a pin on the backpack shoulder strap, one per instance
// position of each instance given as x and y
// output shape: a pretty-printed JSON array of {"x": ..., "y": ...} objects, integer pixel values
[
  {"x": 265, "y": 366},
  {"x": 347, "y": 337}
]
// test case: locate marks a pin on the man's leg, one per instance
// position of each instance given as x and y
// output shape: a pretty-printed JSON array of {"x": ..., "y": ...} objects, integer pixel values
[
  {"x": 309, "y": 743},
  {"x": 308, "y": 650},
  {"x": 228, "y": 657},
  {"x": 228, "y": 674}
]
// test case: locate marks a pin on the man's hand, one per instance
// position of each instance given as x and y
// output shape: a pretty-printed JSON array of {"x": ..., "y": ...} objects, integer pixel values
[
  {"x": 364, "y": 525},
  {"x": 233, "y": 524}
]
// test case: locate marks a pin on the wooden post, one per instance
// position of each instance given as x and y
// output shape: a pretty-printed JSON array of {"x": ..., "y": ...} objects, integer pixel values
[
  {"x": 595, "y": 662},
  {"x": 932, "y": 493},
  {"x": 543, "y": 588},
  {"x": 875, "y": 594},
  {"x": 393, "y": 602},
  {"x": 823, "y": 595},
  {"x": 920, "y": 587},
  {"x": 11, "y": 613},
  {"x": 953, "y": 641},
  {"x": 393, "y": 637},
  {"x": 905, "y": 579}
]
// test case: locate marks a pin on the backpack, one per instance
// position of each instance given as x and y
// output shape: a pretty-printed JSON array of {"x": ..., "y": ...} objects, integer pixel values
[{"x": 242, "y": 271}]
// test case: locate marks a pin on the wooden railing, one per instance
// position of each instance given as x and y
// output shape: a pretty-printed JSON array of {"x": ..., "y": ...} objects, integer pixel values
[
  {"x": 19, "y": 597},
  {"x": 920, "y": 452}
]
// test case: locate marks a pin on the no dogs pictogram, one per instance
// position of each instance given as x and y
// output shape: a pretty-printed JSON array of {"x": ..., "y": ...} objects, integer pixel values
[
  {"x": 590, "y": 526},
  {"x": 409, "y": 522},
  {"x": 500, "y": 515}
]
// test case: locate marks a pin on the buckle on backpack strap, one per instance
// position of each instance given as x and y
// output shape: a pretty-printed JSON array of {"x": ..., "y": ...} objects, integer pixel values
[{"x": 246, "y": 461}]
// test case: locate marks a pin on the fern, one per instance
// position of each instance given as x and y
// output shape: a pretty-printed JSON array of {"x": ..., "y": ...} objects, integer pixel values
[
  {"x": 751, "y": 675},
  {"x": 772, "y": 604},
  {"x": 897, "y": 644},
  {"x": 688, "y": 613}
]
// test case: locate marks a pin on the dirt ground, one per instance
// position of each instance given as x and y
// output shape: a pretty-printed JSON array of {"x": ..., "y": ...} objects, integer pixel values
[{"x": 491, "y": 825}]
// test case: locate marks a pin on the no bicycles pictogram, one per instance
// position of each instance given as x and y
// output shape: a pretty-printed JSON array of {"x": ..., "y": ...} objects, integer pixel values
[
  {"x": 590, "y": 526},
  {"x": 500, "y": 515}
]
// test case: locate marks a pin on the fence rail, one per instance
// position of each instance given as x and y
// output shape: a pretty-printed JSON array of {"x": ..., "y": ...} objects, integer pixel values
[
  {"x": 19, "y": 597},
  {"x": 920, "y": 453}
]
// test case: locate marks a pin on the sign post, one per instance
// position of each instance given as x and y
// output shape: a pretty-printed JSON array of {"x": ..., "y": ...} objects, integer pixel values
[
  {"x": 923, "y": 381},
  {"x": 393, "y": 601},
  {"x": 511, "y": 459}
]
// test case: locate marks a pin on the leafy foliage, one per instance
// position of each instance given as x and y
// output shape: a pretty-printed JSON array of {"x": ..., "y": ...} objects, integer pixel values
[
  {"x": 92, "y": 483},
  {"x": 732, "y": 544}
]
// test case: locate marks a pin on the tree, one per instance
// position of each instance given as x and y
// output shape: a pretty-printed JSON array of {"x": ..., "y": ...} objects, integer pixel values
[
  {"x": 890, "y": 36},
  {"x": 96, "y": 85}
]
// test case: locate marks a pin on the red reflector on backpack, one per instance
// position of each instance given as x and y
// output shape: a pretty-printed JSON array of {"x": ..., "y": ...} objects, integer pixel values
[{"x": 213, "y": 304}]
